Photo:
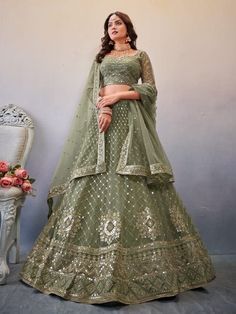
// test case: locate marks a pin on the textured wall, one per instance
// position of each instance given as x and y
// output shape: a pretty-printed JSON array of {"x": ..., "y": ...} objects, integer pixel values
[{"x": 46, "y": 48}]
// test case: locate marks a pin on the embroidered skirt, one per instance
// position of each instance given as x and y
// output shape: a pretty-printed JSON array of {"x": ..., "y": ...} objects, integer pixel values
[{"x": 116, "y": 238}]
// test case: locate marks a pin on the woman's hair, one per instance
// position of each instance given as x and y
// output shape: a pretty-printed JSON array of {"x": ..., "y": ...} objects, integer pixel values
[{"x": 106, "y": 46}]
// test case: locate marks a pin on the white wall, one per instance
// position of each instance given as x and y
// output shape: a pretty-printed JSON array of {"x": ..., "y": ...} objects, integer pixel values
[{"x": 46, "y": 48}]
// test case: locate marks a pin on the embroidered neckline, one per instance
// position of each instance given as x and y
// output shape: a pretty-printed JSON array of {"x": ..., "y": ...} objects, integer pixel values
[{"x": 124, "y": 56}]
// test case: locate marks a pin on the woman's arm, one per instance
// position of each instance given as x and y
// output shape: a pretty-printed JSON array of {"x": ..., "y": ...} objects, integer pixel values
[
  {"x": 114, "y": 98},
  {"x": 147, "y": 90},
  {"x": 130, "y": 94}
]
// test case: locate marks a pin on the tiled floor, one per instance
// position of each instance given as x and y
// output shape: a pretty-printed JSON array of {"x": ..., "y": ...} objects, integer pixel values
[{"x": 219, "y": 297}]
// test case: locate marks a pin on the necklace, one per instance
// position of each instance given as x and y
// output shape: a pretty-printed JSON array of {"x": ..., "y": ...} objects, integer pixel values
[
  {"x": 122, "y": 47},
  {"x": 121, "y": 50},
  {"x": 119, "y": 53}
]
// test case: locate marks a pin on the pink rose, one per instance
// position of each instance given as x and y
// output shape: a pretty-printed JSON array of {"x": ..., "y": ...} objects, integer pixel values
[
  {"x": 26, "y": 186},
  {"x": 6, "y": 182},
  {"x": 4, "y": 166},
  {"x": 17, "y": 181},
  {"x": 21, "y": 173}
]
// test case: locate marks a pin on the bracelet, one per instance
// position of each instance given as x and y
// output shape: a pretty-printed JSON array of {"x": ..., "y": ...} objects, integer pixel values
[
  {"x": 109, "y": 113},
  {"x": 106, "y": 110}
]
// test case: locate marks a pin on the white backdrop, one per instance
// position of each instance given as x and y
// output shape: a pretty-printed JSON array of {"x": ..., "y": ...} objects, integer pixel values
[{"x": 46, "y": 49}]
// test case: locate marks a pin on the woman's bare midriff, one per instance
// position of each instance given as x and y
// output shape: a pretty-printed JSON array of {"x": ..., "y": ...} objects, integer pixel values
[{"x": 112, "y": 89}]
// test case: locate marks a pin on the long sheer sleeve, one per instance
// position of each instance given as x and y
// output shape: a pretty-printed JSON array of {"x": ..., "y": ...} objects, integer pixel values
[
  {"x": 147, "y": 89},
  {"x": 147, "y": 75}
]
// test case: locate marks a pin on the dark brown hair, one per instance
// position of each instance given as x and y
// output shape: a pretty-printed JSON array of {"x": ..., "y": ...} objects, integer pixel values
[{"x": 106, "y": 47}]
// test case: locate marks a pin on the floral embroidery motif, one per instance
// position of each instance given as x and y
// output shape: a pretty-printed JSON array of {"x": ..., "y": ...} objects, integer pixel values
[
  {"x": 110, "y": 227},
  {"x": 67, "y": 229},
  {"x": 149, "y": 227},
  {"x": 68, "y": 222}
]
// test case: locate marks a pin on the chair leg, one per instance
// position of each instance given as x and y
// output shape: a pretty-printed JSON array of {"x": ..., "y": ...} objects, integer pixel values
[
  {"x": 17, "y": 242},
  {"x": 14, "y": 251},
  {"x": 8, "y": 215}
]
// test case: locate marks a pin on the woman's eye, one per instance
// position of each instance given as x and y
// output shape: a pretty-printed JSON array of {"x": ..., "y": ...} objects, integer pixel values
[{"x": 116, "y": 23}]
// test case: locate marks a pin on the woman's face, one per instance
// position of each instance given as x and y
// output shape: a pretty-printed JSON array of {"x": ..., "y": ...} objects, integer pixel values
[{"x": 117, "y": 30}]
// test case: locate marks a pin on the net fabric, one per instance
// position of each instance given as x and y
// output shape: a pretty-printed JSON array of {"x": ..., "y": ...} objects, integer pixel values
[
  {"x": 151, "y": 161},
  {"x": 98, "y": 247},
  {"x": 84, "y": 137},
  {"x": 84, "y": 151}
]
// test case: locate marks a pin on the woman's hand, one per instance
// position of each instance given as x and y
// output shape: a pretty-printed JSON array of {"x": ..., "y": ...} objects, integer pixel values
[
  {"x": 107, "y": 100},
  {"x": 104, "y": 120}
]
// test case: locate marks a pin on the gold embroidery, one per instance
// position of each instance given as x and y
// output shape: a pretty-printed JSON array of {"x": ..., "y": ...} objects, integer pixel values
[
  {"x": 148, "y": 227},
  {"x": 91, "y": 251},
  {"x": 110, "y": 227},
  {"x": 116, "y": 273},
  {"x": 123, "y": 168},
  {"x": 67, "y": 223},
  {"x": 178, "y": 220},
  {"x": 80, "y": 172}
]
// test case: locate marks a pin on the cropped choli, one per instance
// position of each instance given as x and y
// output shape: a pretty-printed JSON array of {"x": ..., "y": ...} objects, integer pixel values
[
  {"x": 127, "y": 70},
  {"x": 120, "y": 70}
]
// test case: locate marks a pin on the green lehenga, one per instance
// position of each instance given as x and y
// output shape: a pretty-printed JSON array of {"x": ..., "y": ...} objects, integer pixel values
[{"x": 113, "y": 237}]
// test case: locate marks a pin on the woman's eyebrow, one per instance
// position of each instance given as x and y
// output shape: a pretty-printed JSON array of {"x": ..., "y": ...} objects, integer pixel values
[{"x": 117, "y": 20}]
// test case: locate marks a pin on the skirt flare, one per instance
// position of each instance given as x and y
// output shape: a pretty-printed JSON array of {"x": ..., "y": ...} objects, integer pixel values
[{"x": 116, "y": 238}]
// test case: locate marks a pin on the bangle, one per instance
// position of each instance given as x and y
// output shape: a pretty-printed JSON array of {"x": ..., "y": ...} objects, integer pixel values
[
  {"x": 109, "y": 113},
  {"x": 106, "y": 110}
]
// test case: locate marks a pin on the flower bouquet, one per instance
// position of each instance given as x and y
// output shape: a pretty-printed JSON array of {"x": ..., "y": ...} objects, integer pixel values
[{"x": 15, "y": 176}]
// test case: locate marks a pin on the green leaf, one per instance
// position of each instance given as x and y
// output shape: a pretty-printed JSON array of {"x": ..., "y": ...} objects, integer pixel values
[{"x": 17, "y": 166}]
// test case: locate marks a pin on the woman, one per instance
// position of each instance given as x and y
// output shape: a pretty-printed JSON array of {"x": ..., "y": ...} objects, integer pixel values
[{"x": 118, "y": 231}]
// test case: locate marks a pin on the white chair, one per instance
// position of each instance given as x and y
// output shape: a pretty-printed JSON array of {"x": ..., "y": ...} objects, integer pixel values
[{"x": 16, "y": 136}]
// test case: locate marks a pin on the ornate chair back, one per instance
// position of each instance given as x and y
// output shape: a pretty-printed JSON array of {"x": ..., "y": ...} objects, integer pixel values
[{"x": 16, "y": 134}]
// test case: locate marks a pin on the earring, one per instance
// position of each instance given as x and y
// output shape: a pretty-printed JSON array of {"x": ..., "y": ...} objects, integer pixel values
[
  {"x": 128, "y": 39},
  {"x": 111, "y": 43}
]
